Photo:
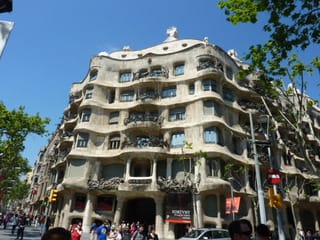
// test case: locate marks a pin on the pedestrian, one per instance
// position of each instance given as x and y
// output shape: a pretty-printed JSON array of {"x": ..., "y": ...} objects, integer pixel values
[
  {"x": 240, "y": 229},
  {"x": 126, "y": 235},
  {"x": 14, "y": 223},
  {"x": 42, "y": 223},
  {"x": 76, "y": 231},
  {"x": 6, "y": 220},
  {"x": 139, "y": 234},
  {"x": 93, "y": 229},
  {"x": 22, "y": 220},
  {"x": 152, "y": 235},
  {"x": 262, "y": 232},
  {"x": 103, "y": 231},
  {"x": 57, "y": 233}
]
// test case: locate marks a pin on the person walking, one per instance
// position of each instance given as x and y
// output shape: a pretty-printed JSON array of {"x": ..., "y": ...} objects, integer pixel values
[
  {"x": 139, "y": 234},
  {"x": 22, "y": 220},
  {"x": 103, "y": 231},
  {"x": 14, "y": 223},
  {"x": 240, "y": 229},
  {"x": 152, "y": 235},
  {"x": 76, "y": 231},
  {"x": 262, "y": 232}
]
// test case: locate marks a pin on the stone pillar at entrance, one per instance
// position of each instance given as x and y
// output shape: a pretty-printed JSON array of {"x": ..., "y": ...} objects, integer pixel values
[
  {"x": 87, "y": 214},
  {"x": 159, "y": 218},
  {"x": 117, "y": 213},
  {"x": 66, "y": 210}
]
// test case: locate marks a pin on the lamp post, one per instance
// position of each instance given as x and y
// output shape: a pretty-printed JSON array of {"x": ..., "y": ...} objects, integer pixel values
[
  {"x": 262, "y": 208},
  {"x": 264, "y": 121},
  {"x": 230, "y": 179}
]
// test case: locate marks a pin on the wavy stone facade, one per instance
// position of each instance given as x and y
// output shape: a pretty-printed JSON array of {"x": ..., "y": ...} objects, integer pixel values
[{"x": 123, "y": 143}]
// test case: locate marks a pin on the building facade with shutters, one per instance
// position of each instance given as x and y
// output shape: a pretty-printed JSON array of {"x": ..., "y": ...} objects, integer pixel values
[{"x": 162, "y": 136}]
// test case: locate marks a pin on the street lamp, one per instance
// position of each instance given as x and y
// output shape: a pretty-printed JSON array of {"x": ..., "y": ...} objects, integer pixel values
[
  {"x": 262, "y": 208},
  {"x": 264, "y": 121},
  {"x": 230, "y": 179}
]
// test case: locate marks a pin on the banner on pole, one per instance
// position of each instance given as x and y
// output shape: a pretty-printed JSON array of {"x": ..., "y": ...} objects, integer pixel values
[
  {"x": 5, "y": 29},
  {"x": 232, "y": 205}
]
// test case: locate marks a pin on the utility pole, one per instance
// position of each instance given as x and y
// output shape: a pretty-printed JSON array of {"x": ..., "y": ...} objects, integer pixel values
[{"x": 262, "y": 208}]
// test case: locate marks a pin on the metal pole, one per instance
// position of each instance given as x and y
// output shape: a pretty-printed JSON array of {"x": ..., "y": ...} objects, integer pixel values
[
  {"x": 262, "y": 208},
  {"x": 279, "y": 221},
  {"x": 232, "y": 202}
]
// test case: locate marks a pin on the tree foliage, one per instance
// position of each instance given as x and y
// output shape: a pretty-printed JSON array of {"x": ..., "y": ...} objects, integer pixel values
[
  {"x": 292, "y": 25},
  {"x": 15, "y": 126}
]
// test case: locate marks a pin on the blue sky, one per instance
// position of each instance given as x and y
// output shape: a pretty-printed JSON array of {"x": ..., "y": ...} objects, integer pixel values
[{"x": 53, "y": 41}]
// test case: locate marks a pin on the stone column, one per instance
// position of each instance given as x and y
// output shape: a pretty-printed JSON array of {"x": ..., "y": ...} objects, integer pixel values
[
  {"x": 219, "y": 215},
  {"x": 128, "y": 165},
  {"x": 159, "y": 219},
  {"x": 64, "y": 221},
  {"x": 169, "y": 168},
  {"x": 154, "y": 172},
  {"x": 199, "y": 210},
  {"x": 117, "y": 214},
  {"x": 87, "y": 220}
]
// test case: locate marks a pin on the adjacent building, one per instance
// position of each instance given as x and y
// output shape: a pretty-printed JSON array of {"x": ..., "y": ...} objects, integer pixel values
[{"x": 163, "y": 136}]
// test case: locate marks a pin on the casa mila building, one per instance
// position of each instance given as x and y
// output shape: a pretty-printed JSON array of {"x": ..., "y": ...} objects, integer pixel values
[{"x": 163, "y": 136}]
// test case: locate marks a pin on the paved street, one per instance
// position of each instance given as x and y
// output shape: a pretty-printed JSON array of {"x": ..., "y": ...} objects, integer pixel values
[{"x": 30, "y": 233}]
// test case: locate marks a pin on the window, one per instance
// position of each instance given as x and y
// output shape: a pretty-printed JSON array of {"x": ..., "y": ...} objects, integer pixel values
[
  {"x": 206, "y": 63},
  {"x": 211, "y": 108},
  {"x": 111, "y": 96},
  {"x": 212, "y": 135},
  {"x": 156, "y": 72},
  {"x": 93, "y": 75},
  {"x": 209, "y": 85},
  {"x": 191, "y": 88},
  {"x": 125, "y": 77},
  {"x": 105, "y": 203},
  {"x": 179, "y": 69},
  {"x": 177, "y": 114},
  {"x": 85, "y": 116},
  {"x": 169, "y": 92},
  {"x": 213, "y": 167},
  {"x": 114, "y": 141},
  {"x": 89, "y": 93},
  {"x": 77, "y": 167},
  {"x": 82, "y": 140},
  {"x": 114, "y": 118},
  {"x": 229, "y": 73},
  {"x": 228, "y": 95},
  {"x": 177, "y": 140},
  {"x": 127, "y": 96}
]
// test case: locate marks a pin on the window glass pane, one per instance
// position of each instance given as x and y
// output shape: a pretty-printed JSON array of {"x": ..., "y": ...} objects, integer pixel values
[
  {"x": 114, "y": 118},
  {"x": 89, "y": 92},
  {"x": 77, "y": 168},
  {"x": 229, "y": 73},
  {"x": 179, "y": 69},
  {"x": 93, "y": 75},
  {"x": 83, "y": 139},
  {"x": 86, "y": 113},
  {"x": 211, "y": 135},
  {"x": 168, "y": 92},
  {"x": 209, "y": 107},
  {"x": 209, "y": 85},
  {"x": 177, "y": 114},
  {"x": 177, "y": 140},
  {"x": 125, "y": 77},
  {"x": 114, "y": 141},
  {"x": 228, "y": 95},
  {"x": 127, "y": 96},
  {"x": 191, "y": 88}
]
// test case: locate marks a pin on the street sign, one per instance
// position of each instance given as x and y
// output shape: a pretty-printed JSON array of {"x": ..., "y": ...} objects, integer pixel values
[{"x": 274, "y": 176}]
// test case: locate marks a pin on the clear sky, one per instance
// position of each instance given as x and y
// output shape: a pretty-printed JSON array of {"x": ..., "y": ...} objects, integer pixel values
[{"x": 53, "y": 41}]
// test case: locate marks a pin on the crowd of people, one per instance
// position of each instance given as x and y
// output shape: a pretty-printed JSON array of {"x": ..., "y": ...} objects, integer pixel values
[{"x": 240, "y": 229}]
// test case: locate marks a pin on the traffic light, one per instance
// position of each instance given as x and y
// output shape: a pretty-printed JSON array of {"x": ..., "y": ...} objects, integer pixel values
[
  {"x": 53, "y": 195},
  {"x": 275, "y": 200}
]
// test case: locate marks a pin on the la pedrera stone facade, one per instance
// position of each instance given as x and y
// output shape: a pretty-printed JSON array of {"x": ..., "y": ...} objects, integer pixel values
[{"x": 162, "y": 136}]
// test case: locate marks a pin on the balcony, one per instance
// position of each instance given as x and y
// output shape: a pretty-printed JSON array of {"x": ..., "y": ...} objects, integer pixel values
[
  {"x": 208, "y": 64},
  {"x": 153, "y": 74},
  {"x": 143, "y": 117},
  {"x": 102, "y": 184},
  {"x": 144, "y": 142}
]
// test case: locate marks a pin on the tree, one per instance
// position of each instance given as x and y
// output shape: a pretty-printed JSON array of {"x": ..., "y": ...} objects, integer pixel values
[
  {"x": 293, "y": 25},
  {"x": 15, "y": 126}
]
